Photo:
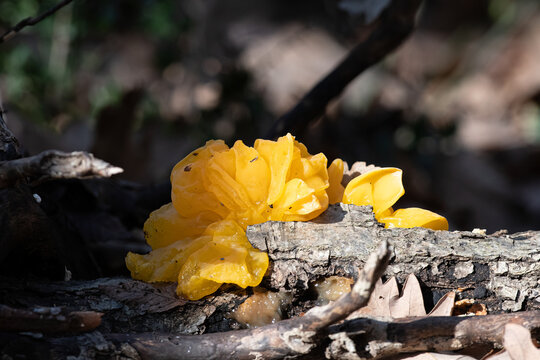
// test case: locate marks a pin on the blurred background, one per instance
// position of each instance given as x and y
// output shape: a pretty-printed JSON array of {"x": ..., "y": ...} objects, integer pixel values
[{"x": 142, "y": 83}]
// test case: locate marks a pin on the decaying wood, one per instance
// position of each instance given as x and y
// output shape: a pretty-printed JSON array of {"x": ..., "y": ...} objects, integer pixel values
[
  {"x": 376, "y": 338},
  {"x": 143, "y": 320},
  {"x": 362, "y": 338},
  {"x": 54, "y": 164},
  {"x": 501, "y": 270},
  {"x": 9, "y": 145},
  {"x": 47, "y": 320},
  {"x": 128, "y": 305},
  {"x": 292, "y": 337}
]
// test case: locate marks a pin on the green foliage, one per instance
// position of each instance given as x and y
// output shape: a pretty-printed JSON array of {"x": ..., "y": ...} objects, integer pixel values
[{"x": 40, "y": 81}]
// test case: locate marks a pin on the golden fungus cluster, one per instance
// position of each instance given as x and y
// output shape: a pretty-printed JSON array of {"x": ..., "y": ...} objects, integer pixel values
[{"x": 199, "y": 238}]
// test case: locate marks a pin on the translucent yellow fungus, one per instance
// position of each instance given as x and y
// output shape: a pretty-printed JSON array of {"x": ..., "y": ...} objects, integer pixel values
[
  {"x": 199, "y": 238},
  {"x": 227, "y": 258},
  {"x": 415, "y": 217},
  {"x": 335, "y": 176},
  {"x": 380, "y": 188},
  {"x": 165, "y": 226}
]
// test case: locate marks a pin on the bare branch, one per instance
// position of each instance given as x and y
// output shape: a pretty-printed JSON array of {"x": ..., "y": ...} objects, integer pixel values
[
  {"x": 375, "y": 338},
  {"x": 47, "y": 320},
  {"x": 54, "y": 164},
  {"x": 32, "y": 21},
  {"x": 395, "y": 25},
  {"x": 363, "y": 338},
  {"x": 293, "y": 337}
]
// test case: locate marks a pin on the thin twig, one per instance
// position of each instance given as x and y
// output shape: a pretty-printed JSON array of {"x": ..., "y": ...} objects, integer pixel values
[
  {"x": 47, "y": 320},
  {"x": 324, "y": 316},
  {"x": 395, "y": 25},
  {"x": 362, "y": 338},
  {"x": 54, "y": 164},
  {"x": 30, "y": 21},
  {"x": 380, "y": 338}
]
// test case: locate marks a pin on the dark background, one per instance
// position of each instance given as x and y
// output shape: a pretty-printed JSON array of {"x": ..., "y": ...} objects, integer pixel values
[{"x": 142, "y": 83}]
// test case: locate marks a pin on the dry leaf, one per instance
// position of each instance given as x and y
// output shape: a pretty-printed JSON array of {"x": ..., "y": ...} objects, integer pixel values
[
  {"x": 410, "y": 303},
  {"x": 517, "y": 342},
  {"x": 435, "y": 356},
  {"x": 385, "y": 301},
  {"x": 379, "y": 302},
  {"x": 444, "y": 306}
]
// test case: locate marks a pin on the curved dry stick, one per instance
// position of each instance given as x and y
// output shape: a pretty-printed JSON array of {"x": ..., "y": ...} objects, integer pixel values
[
  {"x": 31, "y": 21},
  {"x": 54, "y": 164},
  {"x": 47, "y": 320},
  {"x": 395, "y": 25},
  {"x": 366, "y": 338}
]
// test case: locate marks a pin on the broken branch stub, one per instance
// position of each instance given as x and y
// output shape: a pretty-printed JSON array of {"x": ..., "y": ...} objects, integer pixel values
[{"x": 54, "y": 164}]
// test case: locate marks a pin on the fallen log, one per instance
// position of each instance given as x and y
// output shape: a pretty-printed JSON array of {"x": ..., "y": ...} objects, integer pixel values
[
  {"x": 500, "y": 270},
  {"x": 142, "y": 318},
  {"x": 308, "y": 336}
]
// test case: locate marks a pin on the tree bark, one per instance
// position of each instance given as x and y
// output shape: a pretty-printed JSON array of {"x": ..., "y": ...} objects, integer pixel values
[{"x": 143, "y": 320}]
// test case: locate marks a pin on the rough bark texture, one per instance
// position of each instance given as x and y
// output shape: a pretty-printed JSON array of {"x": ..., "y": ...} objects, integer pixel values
[
  {"x": 501, "y": 270},
  {"x": 54, "y": 164},
  {"x": 310, "y": 336},
  {"x": 366, "y": 338},
  {"x": 128, "y": 305}
]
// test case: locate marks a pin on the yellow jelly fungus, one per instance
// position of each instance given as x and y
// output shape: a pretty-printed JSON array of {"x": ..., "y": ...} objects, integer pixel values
[
  {"x": 189, "y": 195},
  {"x": 380, "y": 188},
  {"x": 335, "y": 176},
  {"x": 165, "y": 226},
  {"x": 163, "y": 264},
  {"x": 227, "y": 258},
  {"x": 199, "y": 238},
  {"x": 415, "y": 217}
]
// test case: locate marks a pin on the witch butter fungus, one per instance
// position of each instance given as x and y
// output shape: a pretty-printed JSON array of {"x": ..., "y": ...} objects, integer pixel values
[{"x": 199, "y": 238}]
